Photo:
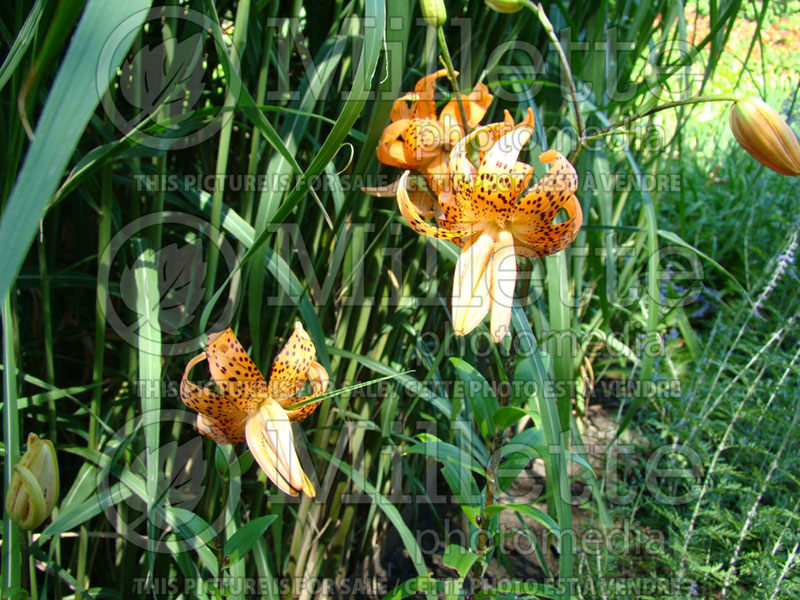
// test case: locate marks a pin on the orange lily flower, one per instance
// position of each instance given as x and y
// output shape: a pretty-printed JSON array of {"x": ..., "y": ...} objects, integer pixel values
[
  {"x": 491, "y": 215},
  {"x": 250, "y": 409},
  {"x": 419, "y": 140}
]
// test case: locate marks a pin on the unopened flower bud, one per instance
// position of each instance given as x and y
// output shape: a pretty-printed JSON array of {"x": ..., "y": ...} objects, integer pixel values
[
  {"x": 505, "y": 6},
  {"x": 33, "y": 490},
  {"x": 762, "y": 132},
  {"x": 434, "y": 12}
]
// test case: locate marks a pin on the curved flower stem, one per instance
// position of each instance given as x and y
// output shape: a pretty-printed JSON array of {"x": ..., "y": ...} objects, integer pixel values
[
  {"x": 548, "y": 27},
  {"x": 611, "y": 129},
  {"x": 451, "y": 75}
]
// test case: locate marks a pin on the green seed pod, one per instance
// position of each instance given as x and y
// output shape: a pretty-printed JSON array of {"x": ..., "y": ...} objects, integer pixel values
[
  {"x": 434, "y": 12},
  {"x": 34, "y": 486}
]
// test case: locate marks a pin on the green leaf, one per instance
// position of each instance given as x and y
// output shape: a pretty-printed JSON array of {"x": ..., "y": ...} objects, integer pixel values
[
  {"x": 458, "y": 558},
  {"x": 506, "y": 416},
  {"x": 527, "y": 510},
  {"x": 21, "y": 42},
  {"x": 523, "y": 588},
  {"x": 443, "y": 451},
  {"x": 421, "y": 583},
  {"x": 76, "y": 92},
  {"x": 240, "y": 543},
  {"x": 464, "y": 488},
  {"x": 481, "y": 397},
  {"x": 518, "y": 452}
]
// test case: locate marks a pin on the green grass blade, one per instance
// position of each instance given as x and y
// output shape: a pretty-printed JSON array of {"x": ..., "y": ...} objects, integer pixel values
[
  {"x": 21, "y": 43},
  {"x": 11, "y": 533},
  {"x": 76, "y": 92}
]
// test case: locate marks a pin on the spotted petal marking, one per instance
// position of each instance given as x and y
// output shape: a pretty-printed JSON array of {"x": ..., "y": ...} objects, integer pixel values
[
  {"x": 318, "y": 378},
  {"x": 234, "y": 372},
  {"x": 218, "y": 418},
  {"x": 543, "y": 240},
  {"x": 540, "y": 205},
  {"x": 500, "y": 178},
  {"x": 291, "y": 366}
]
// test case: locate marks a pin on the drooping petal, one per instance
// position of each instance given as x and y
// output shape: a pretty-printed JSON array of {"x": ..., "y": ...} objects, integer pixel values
[
  {"x": 270, "y": 439},
  {"x": 437, "y": 173},
  {"x": 475, "y": 105},
  {"x": 400, "y": 108},
  {"x": 543, "y": 240},
  {"x": 471, "y": 286},
  {"x": 393, "y": 153},
  {"x": 425, "y": 105},
  {"x": 504, "y": 279},
  {"x": 290, "y": 369},
  {"x": 500, "y": 178},
  {"x": 540, "y": 205},
  {"x": 222, "y": 421},
  {"x": 318, "y": 378},
  {"x": 412, "y": 215},
  {"x": 219, "y": 432},
  {"x": 234, "y": 372},
  {"x": 262, "y": 442},
  {"x": 391, "y": 149}
]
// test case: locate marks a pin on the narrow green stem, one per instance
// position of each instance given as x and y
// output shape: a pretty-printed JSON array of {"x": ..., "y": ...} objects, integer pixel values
[
  {"x": 451, "y": 75},
  {"x": 611, "y": 129},
  {"x": 27, "y": 575},
  {"x": 548, "y": 28},
  {"x": 223, "y": 151},
  {"x": 494, "y": 462}
]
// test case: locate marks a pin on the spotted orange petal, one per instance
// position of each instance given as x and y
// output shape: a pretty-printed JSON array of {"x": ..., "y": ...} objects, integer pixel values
[
  {"x": 318, "y": 378},
  {"x": 424, "y": 141},
  {"x": 543, "y": 240},
  {"x": 218, "y": 418},
  {"x": 540, "y": 205},
  {"x": 411, "y": 213},
  {"x": 234, "y": 372},
  {"x": 482, "y": 140},
  {"x": 500, "y": 178},
  {"x": 290, "y": 369}
]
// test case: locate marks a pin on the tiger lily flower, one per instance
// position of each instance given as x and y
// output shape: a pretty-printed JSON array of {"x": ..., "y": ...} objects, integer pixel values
[
  {"x": 491, "y": 215},
  {"x": 418, "y": 139},
  {"x": 250, "y": 409}
]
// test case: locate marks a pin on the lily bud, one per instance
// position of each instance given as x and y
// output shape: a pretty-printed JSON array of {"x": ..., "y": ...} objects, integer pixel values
[
  {"x": 765, "y": 136},
  {"x": 33, "y": 490},
  {"x": 505, "y": 6},
  {"x": 434, "y": 12}
]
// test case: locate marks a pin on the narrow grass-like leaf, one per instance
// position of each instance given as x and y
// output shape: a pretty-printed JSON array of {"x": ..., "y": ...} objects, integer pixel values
[{"x": 76, "y": 92}]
